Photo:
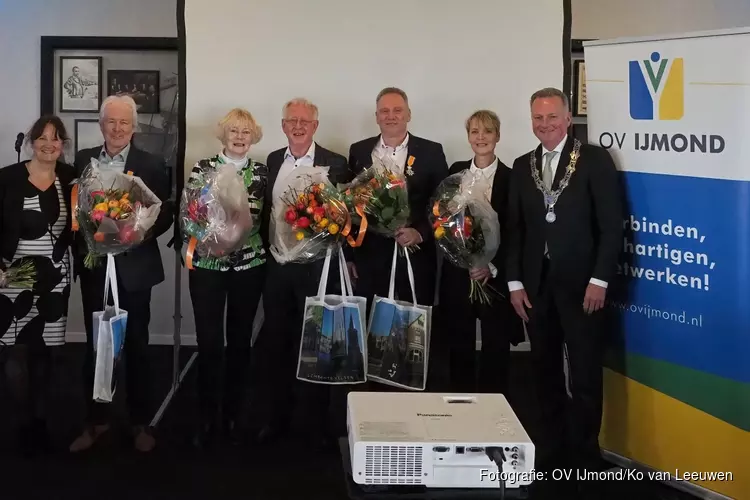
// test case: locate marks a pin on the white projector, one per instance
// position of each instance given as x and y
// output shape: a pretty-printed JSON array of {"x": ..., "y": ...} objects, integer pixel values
[{"x": 437, "y": 440}]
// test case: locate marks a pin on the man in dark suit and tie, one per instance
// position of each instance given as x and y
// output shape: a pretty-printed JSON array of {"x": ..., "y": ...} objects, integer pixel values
[
  {"x": 564, "y": 238},
  {"x": 138, "y": 271},
  {"x": 288, "y": 284},
  {"x": 424, "y": 165}
]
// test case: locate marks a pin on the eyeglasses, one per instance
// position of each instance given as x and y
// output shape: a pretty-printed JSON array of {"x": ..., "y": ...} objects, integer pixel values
[{"x": 298, "y": 122}]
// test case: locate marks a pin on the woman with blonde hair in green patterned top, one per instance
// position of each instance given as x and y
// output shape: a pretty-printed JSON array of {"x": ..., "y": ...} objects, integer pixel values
[{"x": 234, "y": 282}]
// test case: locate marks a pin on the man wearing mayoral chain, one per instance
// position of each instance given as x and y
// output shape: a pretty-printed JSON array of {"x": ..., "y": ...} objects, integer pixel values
[{"x": 564, "y": 237}]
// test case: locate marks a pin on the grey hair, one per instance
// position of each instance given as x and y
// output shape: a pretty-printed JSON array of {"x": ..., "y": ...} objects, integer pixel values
[
  {"x": 300, "y": 101},
  {"x": 550, "y": 92},
  {"x": 392, "y": 90},
  {"x": 126, "y": 99}
]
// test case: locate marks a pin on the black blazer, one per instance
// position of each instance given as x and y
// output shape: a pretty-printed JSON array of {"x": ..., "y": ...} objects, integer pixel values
[
  {"x": 585, "y": 240},
  {"x": 499, "y": 202},
  {"x": 430, "y": 168},
  {"x": 140, "y": 268},
  {"x": 338, "y": 173},
  {"x": 12, "y": 180}
]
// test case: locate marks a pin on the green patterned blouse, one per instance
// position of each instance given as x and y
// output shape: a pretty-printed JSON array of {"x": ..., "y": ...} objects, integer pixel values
[{"x": 255, "y": 175}]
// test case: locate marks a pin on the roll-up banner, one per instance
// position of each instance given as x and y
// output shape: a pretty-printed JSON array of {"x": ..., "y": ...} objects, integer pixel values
[{"x": 674, "y": 112}]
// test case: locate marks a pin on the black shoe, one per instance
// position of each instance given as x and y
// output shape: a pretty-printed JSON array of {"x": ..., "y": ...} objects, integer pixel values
[
  {"x": 205, "y": 437},
  {"x": 34, "y": 439},
  {"x": 270, "y": 434},
  {"x": 233, "y": 433}
]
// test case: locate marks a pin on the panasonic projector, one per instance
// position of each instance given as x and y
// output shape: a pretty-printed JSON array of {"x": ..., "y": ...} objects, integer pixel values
[{"x": 437, "y": 440}]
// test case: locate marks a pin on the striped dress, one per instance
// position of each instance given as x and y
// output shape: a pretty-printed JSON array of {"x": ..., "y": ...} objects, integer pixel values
[
  {"x": 41, "y": 314},
  {"x": 255, "y": 177}
]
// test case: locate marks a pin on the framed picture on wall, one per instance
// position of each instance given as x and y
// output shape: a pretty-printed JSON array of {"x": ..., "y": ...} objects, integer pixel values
[
  {"x": 579, "y": 88},
  {"x": 80, "y": 82},
  {"x": 88, "y": 134},
  {"x": 141, "y": 85}
]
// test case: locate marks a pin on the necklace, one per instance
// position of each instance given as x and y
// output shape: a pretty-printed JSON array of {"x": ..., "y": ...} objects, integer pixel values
[{"x": 550, "y": 196}]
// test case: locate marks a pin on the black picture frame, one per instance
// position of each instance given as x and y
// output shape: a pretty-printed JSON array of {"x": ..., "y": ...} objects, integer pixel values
[
  {"x": 579, "y": 88},
  {"x": 80, "y": 84},
  {"x": 51, "y": 44},
  {"x": 87, "y": 142},
  {"x": 142, "y": 85}
]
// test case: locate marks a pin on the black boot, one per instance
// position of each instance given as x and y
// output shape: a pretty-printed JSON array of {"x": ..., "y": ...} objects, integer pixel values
[{"x": 205, "y": 435}]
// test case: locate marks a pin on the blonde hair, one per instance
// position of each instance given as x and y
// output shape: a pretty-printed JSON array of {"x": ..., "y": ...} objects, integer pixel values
[
  {"x": 485, "y": 117},
  {"x": 243, "y": 118}
]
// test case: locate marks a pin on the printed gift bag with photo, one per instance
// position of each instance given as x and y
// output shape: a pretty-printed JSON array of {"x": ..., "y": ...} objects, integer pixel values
[
  {"x": 398, "y": 339},
  {"x": 332, "y": 348},
  {"x": 109, "y": 328}
]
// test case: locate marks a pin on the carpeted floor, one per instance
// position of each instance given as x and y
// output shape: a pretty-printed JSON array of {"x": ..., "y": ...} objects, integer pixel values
[{"x": 175, "y": 471}]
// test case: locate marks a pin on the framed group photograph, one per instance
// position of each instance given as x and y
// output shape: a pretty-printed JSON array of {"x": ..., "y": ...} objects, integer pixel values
[
  {"x": 88, "y": 134},
  {"x": 80, "y": 82},
  {"x": 579, "y": 88},
  {"x": 141, "y": 85}
]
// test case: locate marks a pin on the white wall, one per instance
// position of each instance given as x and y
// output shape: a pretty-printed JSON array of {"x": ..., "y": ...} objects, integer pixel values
[
  {"x": 602, "y": 19},
  {"x": 22, "y": 23}
]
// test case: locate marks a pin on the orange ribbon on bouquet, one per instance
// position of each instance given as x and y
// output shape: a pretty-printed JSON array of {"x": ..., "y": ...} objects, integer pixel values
[
  {"x": 74, "y": 208},
  {"x": 362, "y": 229},
  {"x": 189, "y": 254}
]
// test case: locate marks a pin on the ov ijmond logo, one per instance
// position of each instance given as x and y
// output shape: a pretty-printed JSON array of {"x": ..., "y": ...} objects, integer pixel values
[{"x": 657, "y": 88}]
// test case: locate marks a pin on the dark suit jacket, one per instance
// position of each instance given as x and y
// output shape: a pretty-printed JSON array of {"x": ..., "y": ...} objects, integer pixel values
[
  {"x": 140, "y": 268},
  {"x": 338, "y": 173},
  {"x": 585, "y": 240},
  {"x": 499, "y": 202},
  {"x": 430, "y": 168},
  {"x": 12, "y": 180}
]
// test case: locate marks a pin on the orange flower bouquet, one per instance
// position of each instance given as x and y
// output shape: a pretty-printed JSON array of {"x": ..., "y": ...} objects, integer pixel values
[
  {"x": 380, "y": 192},
  {"x": 113, "y": 210},
  {"x": 313, "y": 218}
]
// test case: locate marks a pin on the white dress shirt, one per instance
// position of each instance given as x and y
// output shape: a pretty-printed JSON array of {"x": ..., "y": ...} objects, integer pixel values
[
  {"x": 388, "y": 154},
  {"x": 517, "y": 285},
  {"x": 231, "y": 161},
  {"x": 486, "y": 174},
  {"x": 281, "y": 184}
]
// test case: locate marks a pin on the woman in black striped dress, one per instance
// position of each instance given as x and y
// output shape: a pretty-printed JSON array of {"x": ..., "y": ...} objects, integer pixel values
[{"x": 34, "y": 229}]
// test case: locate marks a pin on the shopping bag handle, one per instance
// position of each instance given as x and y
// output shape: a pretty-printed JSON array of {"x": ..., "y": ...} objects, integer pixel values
[
  {"x": 324, "y": 276},
  {"x": 111, "y": 277},
  {"x": 391, "y": 289},
  {"x": 346, "y": 283}
]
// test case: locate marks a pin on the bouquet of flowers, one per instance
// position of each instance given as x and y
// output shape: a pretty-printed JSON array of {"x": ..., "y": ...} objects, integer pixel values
[
  {"x": 215, "y": 213},
  {"x": 314, "y": 217},
  {"x": 113, "y": 210},
  {"x": 377, "y": 199},
  {"x": 20, "y": 274},
  {"x": 465, "y": 226}
]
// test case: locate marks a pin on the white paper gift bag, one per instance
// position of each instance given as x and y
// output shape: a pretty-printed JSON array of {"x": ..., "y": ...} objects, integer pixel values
[
  {"x": 332, "y": 348},
  {"x": 398, "y": 336},
  {"x": 109, "y": 327}
]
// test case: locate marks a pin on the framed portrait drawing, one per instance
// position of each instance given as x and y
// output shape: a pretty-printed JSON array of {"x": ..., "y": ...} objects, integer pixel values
[
  {"x": 579, "y": 88},
  {"x": 141, "y": 85},
  {"x": 88, "y": 134},
  {"x": 80, "y": 82}
]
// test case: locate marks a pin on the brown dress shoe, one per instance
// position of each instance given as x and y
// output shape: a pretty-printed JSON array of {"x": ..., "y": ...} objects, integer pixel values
[
  {"x": 144, "y": 440},
  {"x": 88, "y": 438}
]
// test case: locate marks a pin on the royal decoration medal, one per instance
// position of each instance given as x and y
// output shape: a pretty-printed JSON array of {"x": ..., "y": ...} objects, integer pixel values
[
  {"x": 409, "y": 163},
  {"x": 551, "y": 196}
]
